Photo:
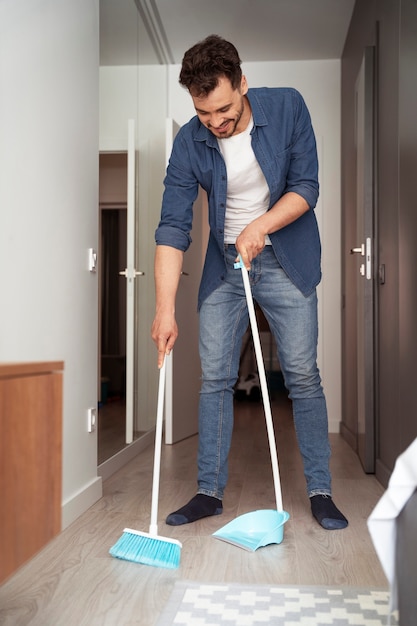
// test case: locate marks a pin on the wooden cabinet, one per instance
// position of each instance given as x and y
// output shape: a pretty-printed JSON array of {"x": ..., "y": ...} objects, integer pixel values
[{"x": 30, "y": 460}]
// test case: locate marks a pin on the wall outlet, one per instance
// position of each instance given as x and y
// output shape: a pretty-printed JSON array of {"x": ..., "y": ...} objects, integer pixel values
[{"x": 91, "y": 420}]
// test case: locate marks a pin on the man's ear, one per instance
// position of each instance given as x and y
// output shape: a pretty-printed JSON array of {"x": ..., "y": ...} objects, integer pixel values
[{"x": 244, "y": 86}]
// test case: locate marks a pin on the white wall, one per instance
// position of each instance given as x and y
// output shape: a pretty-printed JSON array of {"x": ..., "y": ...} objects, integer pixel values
[
  {"x": 49, "y": 59},
  {"x": 319, "y": 83}
]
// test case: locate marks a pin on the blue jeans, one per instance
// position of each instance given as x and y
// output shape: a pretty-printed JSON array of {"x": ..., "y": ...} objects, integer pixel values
[{"x": 292, "y": 318}]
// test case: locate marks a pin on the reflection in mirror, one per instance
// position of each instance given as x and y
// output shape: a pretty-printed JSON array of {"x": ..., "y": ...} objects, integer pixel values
[
  {"x": 112, "y": 305},
  {"x": 112, "y": 404},
  {"x": 127, "y": 42}
]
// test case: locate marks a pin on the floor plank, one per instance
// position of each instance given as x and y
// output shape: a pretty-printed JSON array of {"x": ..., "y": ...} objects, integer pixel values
[{"x": 74, "y": 580}]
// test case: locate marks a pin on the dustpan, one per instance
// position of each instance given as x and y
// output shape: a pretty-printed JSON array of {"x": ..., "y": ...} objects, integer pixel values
[
  {"x": 264, "y": 527},
  {"x": 255, "y": 529}
]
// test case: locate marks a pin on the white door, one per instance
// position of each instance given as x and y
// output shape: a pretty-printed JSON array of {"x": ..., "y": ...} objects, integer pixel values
[
  {"x": 183, "y": 367},
  {"x": 131, "y": 274},
  {"x": 363, "y": 248}
]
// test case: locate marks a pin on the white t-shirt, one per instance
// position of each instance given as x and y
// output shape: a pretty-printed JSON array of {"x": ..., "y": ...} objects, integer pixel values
[{"x": 247, "y": 189}]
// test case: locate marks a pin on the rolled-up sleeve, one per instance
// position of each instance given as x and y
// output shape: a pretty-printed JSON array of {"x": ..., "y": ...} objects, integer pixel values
[
  {"x": 181, "y": 189},
  {"x": 302, "y": 175}
]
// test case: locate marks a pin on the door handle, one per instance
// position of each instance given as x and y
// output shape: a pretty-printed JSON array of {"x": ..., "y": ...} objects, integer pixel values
[
  {"x": 131, "y": 274},
  {"x": 360, "y": 250},
  {"x": 365, "y": 250}
]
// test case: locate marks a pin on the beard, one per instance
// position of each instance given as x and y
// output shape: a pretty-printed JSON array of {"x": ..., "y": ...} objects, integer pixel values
[{"x": 229, "y": 125}]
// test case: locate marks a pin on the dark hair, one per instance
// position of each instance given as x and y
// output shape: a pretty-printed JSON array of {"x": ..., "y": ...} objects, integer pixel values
[{"x": 206, "y": 62}]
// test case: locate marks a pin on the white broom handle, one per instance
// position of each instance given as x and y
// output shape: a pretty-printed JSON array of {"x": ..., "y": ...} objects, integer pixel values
[
  {"x": 153, "y": 528},
  {"x": 264, "y": 387}
]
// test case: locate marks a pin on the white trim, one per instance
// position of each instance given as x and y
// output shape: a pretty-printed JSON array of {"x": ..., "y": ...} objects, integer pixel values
[
  {"x": 155, "y": 29},
  {"x": 81, "y": 501}
]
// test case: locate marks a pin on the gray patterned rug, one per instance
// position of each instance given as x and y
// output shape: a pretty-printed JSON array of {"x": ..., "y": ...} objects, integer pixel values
[{"x": 193, "y": 604}]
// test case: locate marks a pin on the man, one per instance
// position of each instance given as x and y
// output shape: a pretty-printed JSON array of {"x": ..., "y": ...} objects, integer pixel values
[{"x": 254, "y": 152}]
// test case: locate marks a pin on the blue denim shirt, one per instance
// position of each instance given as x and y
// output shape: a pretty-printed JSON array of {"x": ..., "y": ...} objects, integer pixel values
[{"x": 284, "y": 144}]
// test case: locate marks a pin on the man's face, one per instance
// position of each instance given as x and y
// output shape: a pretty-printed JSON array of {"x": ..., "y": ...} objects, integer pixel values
[{"x": 225, "y": 111}]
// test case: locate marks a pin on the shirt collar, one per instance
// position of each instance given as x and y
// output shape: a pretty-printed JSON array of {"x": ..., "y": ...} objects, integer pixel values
[{"x": 259, "y": 119}]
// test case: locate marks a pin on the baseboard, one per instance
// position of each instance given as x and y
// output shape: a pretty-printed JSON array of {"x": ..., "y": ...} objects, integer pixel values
[
  {"x": 349, "y": 436},
  {"x": 382, "y": 473},
  {"x": 86, "y": 497},
  {"x": 116, "y": 462},
  {"x": 81, "y": 501},
  {"x": 334, "y": 426}
]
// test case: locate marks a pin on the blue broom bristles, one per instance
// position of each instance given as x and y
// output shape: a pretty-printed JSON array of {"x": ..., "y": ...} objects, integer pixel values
[{"x": 143, "y": 548}]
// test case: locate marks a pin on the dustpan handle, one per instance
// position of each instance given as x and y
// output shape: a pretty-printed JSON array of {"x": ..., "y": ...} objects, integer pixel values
[
  {"x": 264, "y": 386},
  {"x": 153, "y": 528}
]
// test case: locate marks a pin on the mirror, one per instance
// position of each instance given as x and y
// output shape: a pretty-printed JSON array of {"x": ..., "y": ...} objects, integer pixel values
[{"x": 121, "y": 30}]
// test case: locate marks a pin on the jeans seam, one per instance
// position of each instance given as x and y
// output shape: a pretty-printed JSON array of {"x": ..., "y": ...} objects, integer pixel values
[{"x": 222, "y": 396}]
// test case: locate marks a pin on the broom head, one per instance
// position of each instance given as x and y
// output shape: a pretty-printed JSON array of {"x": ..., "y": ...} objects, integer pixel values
[{"x": 147, "y": 549}]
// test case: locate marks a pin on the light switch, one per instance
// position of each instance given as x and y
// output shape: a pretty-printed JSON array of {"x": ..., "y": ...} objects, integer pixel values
[
  {"x": 92, "y": 260},
  {"x": 91, "y": 420}
]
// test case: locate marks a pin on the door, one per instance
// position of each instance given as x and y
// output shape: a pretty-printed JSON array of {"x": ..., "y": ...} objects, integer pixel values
[
  {"x": 118, "y": 278},
  {"x": 363, "y": 249},
  {"x": 183, "y": 367},
  {"x": 112, "y": 305},
  {"x": 130, "y": 273}
]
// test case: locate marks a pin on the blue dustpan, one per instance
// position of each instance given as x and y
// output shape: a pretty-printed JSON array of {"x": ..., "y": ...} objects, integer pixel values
[
  {"x": 258, "y": 528},
  {"x": 254, "y": 530}
]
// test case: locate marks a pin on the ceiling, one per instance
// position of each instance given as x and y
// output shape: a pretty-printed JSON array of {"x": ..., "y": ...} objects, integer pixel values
[{"x": 147, "y": 32}]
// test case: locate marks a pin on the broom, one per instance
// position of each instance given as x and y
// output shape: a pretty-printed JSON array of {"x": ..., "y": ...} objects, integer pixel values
[{"x": 150, "y": 548}]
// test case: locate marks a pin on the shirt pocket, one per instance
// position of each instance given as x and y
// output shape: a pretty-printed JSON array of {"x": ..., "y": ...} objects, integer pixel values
[{"x": 280, "y": 168}]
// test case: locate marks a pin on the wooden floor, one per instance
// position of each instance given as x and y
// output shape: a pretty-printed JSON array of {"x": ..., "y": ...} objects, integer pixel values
[{"x": 74, "y": 581}]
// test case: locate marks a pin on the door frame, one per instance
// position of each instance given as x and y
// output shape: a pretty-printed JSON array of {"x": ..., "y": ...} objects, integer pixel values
[
  {"x": 365, "y": 246},
  {"x": 130, "y": 274}
]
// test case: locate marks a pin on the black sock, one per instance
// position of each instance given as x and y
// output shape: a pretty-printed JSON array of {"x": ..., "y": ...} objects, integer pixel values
[
  {"x": 198, "y": 507},
  {"x": 326, "y": 513}
]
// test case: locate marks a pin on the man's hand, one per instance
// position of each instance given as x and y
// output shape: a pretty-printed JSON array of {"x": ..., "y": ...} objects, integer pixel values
[
  {"x": 251, "y": 240},
  {"x": 164, "y": 333},
  {"x": 168, "y": 265}
]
